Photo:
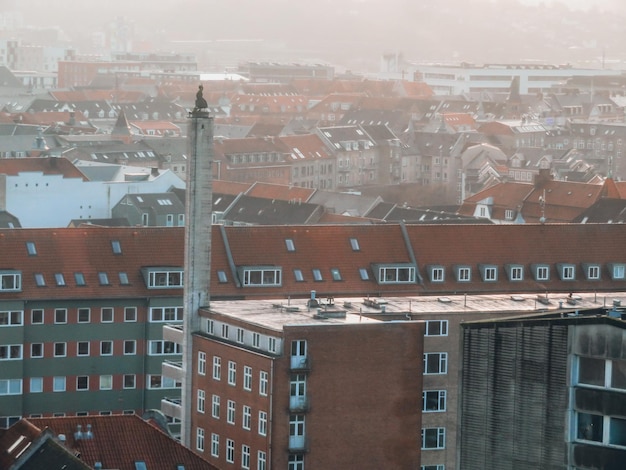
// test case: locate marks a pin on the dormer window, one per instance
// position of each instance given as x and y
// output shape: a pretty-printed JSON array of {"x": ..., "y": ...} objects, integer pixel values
[
  {"x": 261, "y": 276},
  {"x": 567, "y": 272},
  {"x": 618, "y": 271},
  {"x": 592, "y": 271},
  {"x": 163, "y": 278},
  {"x": 10, "y": 281},
  {"x": 436, "y": 273},
  {"x": 515, "y": 272},
  {"x": 488, "y": 272},
  {"x": 395, "y": 274},
  {"x": 463, "y": 273},
  {"x": 541, "y": 272}
]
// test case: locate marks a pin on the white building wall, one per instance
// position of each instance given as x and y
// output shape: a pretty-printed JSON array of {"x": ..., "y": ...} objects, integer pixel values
[{"x": 39, "y": 200}]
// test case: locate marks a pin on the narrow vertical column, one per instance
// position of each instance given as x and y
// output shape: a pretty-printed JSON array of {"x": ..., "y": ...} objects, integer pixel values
[{"x": 197, "y": 244}]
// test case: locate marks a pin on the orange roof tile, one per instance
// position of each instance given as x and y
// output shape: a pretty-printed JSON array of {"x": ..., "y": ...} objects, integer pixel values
[
  {"x": 48, "y": 166},
  {"x": 121, "y": 440},
  {"x": 280, "y": 192}
]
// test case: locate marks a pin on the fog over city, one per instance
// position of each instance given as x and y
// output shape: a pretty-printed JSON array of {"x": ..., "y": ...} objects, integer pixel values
[{"x": 350, "y": 34}]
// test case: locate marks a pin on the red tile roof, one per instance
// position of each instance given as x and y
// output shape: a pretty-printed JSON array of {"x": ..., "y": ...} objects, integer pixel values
[
  {"x": 48, "y": 166},
  {"x": 121, "y": 440},
  {"x": 229, "y": 187}
]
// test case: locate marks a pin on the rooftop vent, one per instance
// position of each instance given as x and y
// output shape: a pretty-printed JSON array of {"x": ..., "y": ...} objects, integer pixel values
[{"x": 445, "y": 300}]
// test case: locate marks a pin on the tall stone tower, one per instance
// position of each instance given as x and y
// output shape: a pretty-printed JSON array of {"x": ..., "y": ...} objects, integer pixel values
[{"x": 197, "y": 242}]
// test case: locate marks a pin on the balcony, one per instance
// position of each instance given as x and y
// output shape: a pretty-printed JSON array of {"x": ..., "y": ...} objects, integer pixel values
[
  {"x": 297, "y": 444},
  {"x": 298, "y": 403},
  {"x": 173, "y": 333},
  {"x": 300, "y": 363},
  {"x": 171, "y": 406},
  {"x": 173, "y": 370}
]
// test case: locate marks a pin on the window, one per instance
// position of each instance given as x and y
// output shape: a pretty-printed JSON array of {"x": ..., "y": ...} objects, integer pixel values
[
  {"x": 106, "y": 382},
  {"x": 232, "y": 373},
  {"x": 246, "y": 417},
  {"x": 103, "y": 279},
  {"x": 364, "y": 274},
  {"x": 262, "y": 423},
  {"x": 256, "y": 340},
  {"x": 271, "y": 344},
  {"x": 433, "y": 467},
  {"x": 433, "y": 400},
  {"x": 240, "y": 334},
  {"x": 593, "y": 272},
  {"x": 290, "y": 245},
  {"x": 489, "y": 273},
  {"x": 436, "y": 274},
  {"x": 225, "y": 331},
  {"x": 618, "y": 271},
  {"x": 297, "y": 273},
  {"x": 433, "y": 438},
  {"x": 11, "y": 318},
  {"x": 163, "y": 348},
  {"x": 166, "y": 314},
  {"x": 84, "y": 315},
  {"x": 354, "y": 244},
  {"x": 40, "y": 280},
  {"x": 215, "y": 445},
  {"x": 10, "y": 281},
  {"x": 436, "y": 328},
  {"x": 59, "y": 279},
  {"x": 258, "y": 277},
  {"x": 106, "y": 348},
  {"x": 261, "y": 460},
  {"x": 169, "y": 220},
  {"x": 82, "y": 348},
  {"x": 542, "y": 272},
  {"x": 201, "y": 363},
  {"x": 516, "y": 273},
  {"x": 31, "y": 248},
  {"x": 106, "y": 315},
  {"x": 181, "y": 220},
  {"x": 217, "y": 367},
  {"x": 36, "y": 384},
  {"x": 296, "y": 462},
  {"x": 589, "y": 427},
  {"x": 130, "y": 347},
  {"x": 36, "y": 317},
  {"x": 396, "y": 274},
  {"x": 116, "y": 247},
  {"x": 36, "y": 350},
  {"x": 129, "y": 380},
  {"x": 210, "y": 327},
  {"x": 335, "y": 274},
  {"x": 263, "y": 382},
  {"x": 221, "y": 276},
  {"x": 123, "y": 277},
  {"x": 165, "y": 279},
  {"x": 463, "y": 273},
  {"x": 60, "y": 315},
  {"x": 200, "y": 439},
  {"x": 79, "y": 279},
  {"x": 215, "y": 406},
  {"x": 230, "y": 451},
  {"x": 436, "y": 363},
  {"x": 10, "y": 352},
  {"x": 247, "y": 378},
  {"x": 245, "y": 456},
  {"x": 201, "y": 400},
  {"x": 60, "y": 349},
  {"x": 130, "y": 314},
  {"x": 156, "y": 381},
  {"x": 82, "y": 382},
  {"x": 317, "y": 275},
  {"x": 230, "y": 412},
  {"x": 58, "y": 384},
  {"x": 10, "y": 386},
  {"x": 567, "y": 272}
]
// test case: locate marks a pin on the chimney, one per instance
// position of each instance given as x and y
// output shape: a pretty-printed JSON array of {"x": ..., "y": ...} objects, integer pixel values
[
  {"x": 72, "y": 121},
  {"x": 542, "y": 177},
  {"x": 154, "y": 172}
]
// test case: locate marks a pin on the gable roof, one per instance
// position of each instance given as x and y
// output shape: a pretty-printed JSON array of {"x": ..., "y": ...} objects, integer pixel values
[
  {"x": 47, "y": 166},
  {"x": 119, "y": 441},
  {"x": 280, "y": 191}
]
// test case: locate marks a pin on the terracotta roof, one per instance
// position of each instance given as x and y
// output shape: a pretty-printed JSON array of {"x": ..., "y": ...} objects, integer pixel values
[
  {"x": 230, "y": 187},
  {"x": 305, "y": 147},
  {"x": 48, "y": 166},
  {"x": 121, "y": 440}
]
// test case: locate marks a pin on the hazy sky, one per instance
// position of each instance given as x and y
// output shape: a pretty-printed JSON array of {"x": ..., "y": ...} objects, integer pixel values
[{"x": 357, "y": 31}]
